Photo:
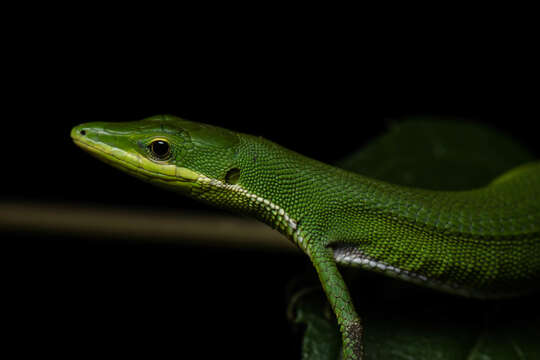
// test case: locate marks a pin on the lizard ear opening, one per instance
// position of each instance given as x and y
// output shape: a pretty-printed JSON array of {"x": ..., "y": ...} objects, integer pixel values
[{"x": 232, "y": 176}]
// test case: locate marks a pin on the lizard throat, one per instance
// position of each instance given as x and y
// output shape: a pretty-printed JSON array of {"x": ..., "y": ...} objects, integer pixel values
[{"x": 237, "y": 198}]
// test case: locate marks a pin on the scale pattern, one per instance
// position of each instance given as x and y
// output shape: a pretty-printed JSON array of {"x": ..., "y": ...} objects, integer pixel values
[{"x": 483, "y": 242}]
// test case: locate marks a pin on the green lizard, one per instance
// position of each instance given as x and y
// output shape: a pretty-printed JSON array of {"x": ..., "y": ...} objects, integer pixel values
[{"x": 480, "y": 243}]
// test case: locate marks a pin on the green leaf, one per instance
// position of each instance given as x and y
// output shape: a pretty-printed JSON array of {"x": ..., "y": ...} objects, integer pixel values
[
  {"x": 438, "y": 154},
  {"x": 516, "y": 338},
  {"x": 322, "y": 340}
]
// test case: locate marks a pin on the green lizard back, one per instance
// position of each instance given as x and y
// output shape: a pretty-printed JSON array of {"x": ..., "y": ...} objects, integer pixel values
[
  {"x": 483, "y": 242},
  {"x": 449, "y": 154}
]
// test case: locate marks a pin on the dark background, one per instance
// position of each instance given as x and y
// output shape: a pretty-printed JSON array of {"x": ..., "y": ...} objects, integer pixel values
[{"x": 321, "y": 96}]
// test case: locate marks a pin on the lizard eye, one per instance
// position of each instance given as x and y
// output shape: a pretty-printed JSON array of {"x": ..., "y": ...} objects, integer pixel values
[{"x": 160, "y": 149}]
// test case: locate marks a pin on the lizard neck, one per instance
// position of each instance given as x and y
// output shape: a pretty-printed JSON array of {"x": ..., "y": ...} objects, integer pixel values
[{"x": 281, "y": 188}]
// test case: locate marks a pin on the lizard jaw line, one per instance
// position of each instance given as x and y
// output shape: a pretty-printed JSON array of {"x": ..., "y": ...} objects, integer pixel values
[{"x": 136, "y": 166}]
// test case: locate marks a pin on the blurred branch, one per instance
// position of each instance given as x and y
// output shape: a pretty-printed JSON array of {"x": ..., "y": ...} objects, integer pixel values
[{"x": 149, "y": 226}]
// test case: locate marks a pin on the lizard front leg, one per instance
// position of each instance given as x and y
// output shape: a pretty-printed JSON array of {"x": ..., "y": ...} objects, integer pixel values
[{"x": 338, "y": 295}]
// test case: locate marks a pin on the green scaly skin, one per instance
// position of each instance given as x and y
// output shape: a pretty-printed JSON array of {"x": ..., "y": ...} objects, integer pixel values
[{"x": 480, "y": 243}]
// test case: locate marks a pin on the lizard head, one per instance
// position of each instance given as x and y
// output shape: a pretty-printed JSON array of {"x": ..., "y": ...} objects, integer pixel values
[{"x": 165, "y": 150}]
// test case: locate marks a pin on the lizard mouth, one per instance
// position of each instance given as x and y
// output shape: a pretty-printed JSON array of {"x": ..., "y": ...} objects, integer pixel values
[{"x": 137, "y": 165}]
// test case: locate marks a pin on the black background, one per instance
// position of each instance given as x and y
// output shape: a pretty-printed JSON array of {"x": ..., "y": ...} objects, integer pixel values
[{"x": 321, "y": 94}]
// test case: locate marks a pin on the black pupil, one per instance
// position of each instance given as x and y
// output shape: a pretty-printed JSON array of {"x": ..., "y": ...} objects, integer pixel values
[{"x": 160, "y": 148}]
